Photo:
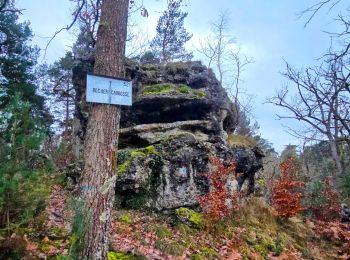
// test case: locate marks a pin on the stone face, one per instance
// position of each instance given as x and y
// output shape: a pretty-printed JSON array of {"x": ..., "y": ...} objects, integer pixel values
[
  {"x": 180, "y": 116},
  {"x": 183, "y": 111}
]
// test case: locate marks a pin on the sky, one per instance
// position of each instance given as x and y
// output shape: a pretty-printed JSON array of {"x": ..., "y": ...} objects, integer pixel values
[{"x": 268, "y": 31}]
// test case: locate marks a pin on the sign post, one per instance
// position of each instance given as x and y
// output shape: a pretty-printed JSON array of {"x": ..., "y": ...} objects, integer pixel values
[{"x": 108, "y": 90}]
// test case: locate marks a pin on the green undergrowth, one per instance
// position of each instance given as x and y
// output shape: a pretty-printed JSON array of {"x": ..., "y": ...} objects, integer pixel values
[
  {"x": 126, "y": 218},
  {"x": 171, "y": 248},
  {"x": 253, "y": 232},
  {"x": 266, "y": 234},
  {"x": 205, "y": 253},
  {"x": 168, "y": 88},
  {"x": 123, "y": 256}
]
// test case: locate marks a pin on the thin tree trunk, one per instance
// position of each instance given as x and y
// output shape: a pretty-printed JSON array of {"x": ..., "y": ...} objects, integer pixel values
[
  {"x": 67, "y": 118},
  {"x": 99, "y": 174},
  {"x": 8, "y": 213},
  {"x": 335, "y": 154}
]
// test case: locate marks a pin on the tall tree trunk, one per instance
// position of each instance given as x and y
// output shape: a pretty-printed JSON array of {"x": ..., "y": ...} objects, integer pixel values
[
  {"x": 67, "y": 117},
  {"x": 99, "y": 174},
  {"x": 335, "y": 154}
]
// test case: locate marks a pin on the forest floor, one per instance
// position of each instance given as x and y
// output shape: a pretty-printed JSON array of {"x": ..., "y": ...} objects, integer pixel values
[{"x": 253, "y": 232}]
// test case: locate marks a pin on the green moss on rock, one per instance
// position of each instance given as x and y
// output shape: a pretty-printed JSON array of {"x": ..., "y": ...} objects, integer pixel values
[
  {"x": 166, "y": 88},
  {"x": 190, "y": 216},
  {"x": 184, "y": 89},
  {"x": 123, "y": 256},
  {"x": 125, "y": 157},
  {"x": 158, "y": 89}
]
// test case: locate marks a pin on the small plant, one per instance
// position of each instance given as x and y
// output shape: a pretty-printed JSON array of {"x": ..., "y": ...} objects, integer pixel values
[
  {"x": 123, "y": 256},
  {"x": 171, "y": 248},
  {"x": 215, "y": 203},
  {"x": 346, "y": 183},
  {"x": 79, "y": 228},
  {"x": 287, "y": 191},
  {"x": 126, "y": 218},
  {"x": 326, "y": 206},
  {"x": 162, "y": 231}
]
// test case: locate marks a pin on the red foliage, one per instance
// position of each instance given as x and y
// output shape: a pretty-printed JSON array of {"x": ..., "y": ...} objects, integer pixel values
[
  {"x": 336, "y": 232},
  {"x": 287, "y": 191},
  {"x": 330, "y": 209},
  {"x": 214, "y": 203}
]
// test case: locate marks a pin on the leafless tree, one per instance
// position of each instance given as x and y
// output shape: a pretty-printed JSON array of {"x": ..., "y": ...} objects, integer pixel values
[
  {"x": 86, "y": 16},
  {"x": 312, "y": 10},
  {"x": 241, "y": 100},
  {"x": 229, "y": 62},
  {"x": 215, "y": 47},
  {"x": 137, "y": 42},
  {"x": 319, "y": 98}
]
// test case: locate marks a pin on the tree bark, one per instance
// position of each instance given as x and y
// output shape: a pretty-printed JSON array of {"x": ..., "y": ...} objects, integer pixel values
[
  {"x": 335, "y": 155},
  {"x": 98, "y": 181}
]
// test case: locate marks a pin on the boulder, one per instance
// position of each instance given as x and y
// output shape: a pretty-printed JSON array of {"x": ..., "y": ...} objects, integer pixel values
[{"x": 180, "y": 116}]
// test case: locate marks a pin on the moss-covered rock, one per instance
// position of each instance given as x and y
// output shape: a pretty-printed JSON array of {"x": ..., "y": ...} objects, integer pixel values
[
  {"x": 170, "y": 88},
  {"x": 126, "y": 157},
  {"x": 190, "y": 217},
  {"x": 158, "y": 89}
]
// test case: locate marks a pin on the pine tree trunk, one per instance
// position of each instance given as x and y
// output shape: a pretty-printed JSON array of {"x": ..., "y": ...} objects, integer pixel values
[{"x": 98, "y": 181}]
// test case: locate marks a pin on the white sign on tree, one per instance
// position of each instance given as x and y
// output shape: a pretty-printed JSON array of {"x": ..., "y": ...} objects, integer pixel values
[{"x": 108, "y": 90}]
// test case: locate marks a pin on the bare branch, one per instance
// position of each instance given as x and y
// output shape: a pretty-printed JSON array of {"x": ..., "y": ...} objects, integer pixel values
[
  {"x": 314, "y": 9},
  {"x": 76, "y": 15}
]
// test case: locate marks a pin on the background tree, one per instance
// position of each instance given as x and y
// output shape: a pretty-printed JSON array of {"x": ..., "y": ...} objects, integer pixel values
[
  {"x": 216, "y": 46},
  {"x": 22, "y": 180},
  {"x": 60, "y": 92},
  {"x": 18, "y": 64},
  {"x": 24, "y": 122},
  {"x": 169, "y": 43},
  {"x": 320, "y": 96},
  {"x": 223, "y": 56},
  {"x": 321, "y": 102},
  {"x": 88, "y": 14}
]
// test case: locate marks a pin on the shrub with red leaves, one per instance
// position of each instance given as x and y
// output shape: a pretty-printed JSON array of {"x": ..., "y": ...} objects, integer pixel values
[
  {"x": 329, "y": 209},
  {"x": 287, "y": 191},
  {"x": 214, "y": 203}
]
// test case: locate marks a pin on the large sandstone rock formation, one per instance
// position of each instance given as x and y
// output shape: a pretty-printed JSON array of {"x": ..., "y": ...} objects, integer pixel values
[{"x": 180, "y": 116}]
